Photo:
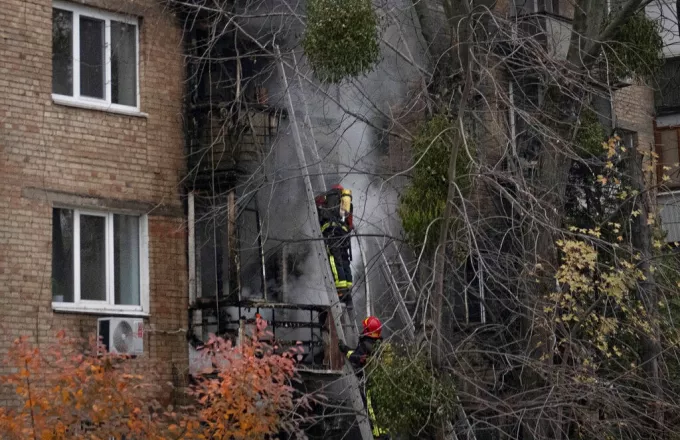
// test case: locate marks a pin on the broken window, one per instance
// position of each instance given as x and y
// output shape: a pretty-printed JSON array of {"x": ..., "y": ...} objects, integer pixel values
[
  {"x": 251, "y": 253},
  {"x": 215, "y": 260}
]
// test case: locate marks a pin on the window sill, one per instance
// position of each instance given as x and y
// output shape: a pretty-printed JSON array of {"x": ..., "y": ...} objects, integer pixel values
[
  {"x": 68, "y": 308},
  {"x": 109, "y": 108}
]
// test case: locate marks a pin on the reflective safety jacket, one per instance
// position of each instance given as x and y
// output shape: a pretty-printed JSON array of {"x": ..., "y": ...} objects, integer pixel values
[
  {"x": 360, "y": 355},
  {"x": 358, "y": 358}
]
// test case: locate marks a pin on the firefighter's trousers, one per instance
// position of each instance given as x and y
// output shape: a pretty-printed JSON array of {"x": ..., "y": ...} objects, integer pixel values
[
  {"x": 339, "y": 261},
  {"x": 378, "y": 432}
]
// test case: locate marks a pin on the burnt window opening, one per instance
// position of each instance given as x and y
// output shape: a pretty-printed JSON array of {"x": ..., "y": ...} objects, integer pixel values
[
  {"x": 382, "y": 137},
  {"x": 252, "y": 270},
  {"x": 228, "y": 253},
  {"x": 231, "y": 69},
  {"x": 230, "y": 114},
  {"x": 212, "y": 250}
]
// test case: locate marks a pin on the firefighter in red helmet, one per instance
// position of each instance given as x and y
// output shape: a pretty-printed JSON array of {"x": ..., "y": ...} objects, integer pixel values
[{"x": 370, "y": 338}]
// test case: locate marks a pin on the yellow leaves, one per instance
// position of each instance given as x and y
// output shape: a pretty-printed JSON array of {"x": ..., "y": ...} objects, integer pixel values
[
  {"x": 601, "y": 179},
  {"x": 610, "y": 147},
  {"x": 590, "y": 289},
  {"x": 650, "y": 219}
]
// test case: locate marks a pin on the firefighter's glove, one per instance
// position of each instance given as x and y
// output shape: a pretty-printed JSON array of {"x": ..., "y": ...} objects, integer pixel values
[{"x": 343, "y": 347}]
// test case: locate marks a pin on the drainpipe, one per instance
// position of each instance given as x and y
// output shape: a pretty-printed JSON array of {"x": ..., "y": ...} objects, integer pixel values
[{"x": 196, "y": 315}]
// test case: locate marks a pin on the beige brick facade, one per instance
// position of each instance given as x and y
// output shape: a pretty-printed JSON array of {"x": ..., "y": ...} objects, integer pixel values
[
  {"x": 89, "y": 155},
  {"x": 634, "y": 109}
]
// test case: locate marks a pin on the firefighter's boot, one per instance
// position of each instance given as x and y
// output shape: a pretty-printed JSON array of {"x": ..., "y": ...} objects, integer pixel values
[{"x": 345, "y": 295}]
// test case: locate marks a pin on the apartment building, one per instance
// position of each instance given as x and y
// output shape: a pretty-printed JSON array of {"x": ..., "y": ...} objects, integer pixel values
[
  {"x": 91, "y": 162},
  {"x": 667, "y": 119}
]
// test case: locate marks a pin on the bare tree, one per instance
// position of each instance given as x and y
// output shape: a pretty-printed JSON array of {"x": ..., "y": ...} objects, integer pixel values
[{"x": 488, "y": 286}]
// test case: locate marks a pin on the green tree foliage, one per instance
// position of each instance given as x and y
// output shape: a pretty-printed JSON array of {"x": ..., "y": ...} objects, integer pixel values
[
  {"x": 341, "y": 38},
  {"x": 636, "y": 48},
  {"x": 424, "y": 200},
  {"x": 408, "y": 397},
  {"x": 590, "y": 135}
]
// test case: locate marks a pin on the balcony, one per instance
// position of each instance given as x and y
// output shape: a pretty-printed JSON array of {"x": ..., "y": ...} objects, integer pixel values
[
  {"x": 229, "y": 121},
  {"x": 229, "y": 141}
]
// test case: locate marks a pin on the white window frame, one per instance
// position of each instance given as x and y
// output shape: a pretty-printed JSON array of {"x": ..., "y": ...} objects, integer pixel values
[
  {"x": 109, "y": 306},
  {"x": 88, "y": 102}
]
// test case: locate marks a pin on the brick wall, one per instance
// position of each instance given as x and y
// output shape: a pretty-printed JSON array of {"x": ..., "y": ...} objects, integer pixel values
[
  {"x": 634, "y": 110},
  {"x": 44, "y": 146}
]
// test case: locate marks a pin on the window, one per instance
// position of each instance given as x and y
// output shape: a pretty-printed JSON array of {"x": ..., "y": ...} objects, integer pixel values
[
  {"x": 94, "y": 58},
  {"x": 469, "y": 301},
  {"x": 668, "y": 149},
  {"x": 99, "y": 261}
]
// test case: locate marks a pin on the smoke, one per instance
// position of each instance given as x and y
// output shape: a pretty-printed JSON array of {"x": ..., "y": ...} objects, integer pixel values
[{"x": 348, "y": 123}]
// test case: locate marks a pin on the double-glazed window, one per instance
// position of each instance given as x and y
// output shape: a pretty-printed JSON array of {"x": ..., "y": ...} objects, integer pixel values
[
  {"x": 94, "y": 57},
  {"x": 99, "y": 260}
]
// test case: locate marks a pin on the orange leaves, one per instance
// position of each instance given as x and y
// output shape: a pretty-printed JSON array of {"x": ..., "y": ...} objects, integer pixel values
[
  {"x": 250, "y": 395},
  {"x": 69, "y": 393}
]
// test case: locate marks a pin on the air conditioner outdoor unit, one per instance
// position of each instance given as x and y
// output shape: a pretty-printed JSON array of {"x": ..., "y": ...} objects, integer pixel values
[{"x": 121, "y": 335}]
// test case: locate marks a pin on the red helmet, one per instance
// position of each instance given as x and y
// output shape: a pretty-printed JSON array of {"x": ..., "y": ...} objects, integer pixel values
[
  {"x": 372, "y": 327},
  {"x": 337, "y": 186}
]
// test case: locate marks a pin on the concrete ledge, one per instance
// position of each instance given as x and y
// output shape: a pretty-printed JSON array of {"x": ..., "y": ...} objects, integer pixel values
[{"x": 85, "y": 201}]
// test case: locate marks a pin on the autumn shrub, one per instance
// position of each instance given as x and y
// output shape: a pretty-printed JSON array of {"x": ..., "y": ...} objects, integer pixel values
[
  {"x": 248, "y": 393},
  {"x": 70, "y": 393}
]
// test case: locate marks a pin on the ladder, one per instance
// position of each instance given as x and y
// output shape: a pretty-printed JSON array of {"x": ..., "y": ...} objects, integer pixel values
[
  {"x": 398, "y": 279},
  {"x": 318, "y": 247}
]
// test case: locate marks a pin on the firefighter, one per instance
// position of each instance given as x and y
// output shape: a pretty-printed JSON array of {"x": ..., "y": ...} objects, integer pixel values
[
  {"x": 370, "y": 338},
  {"x": 335, "y": 209}
]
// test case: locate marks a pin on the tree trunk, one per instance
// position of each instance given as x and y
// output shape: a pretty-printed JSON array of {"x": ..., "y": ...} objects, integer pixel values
[{"x": 642, "y": 239}]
